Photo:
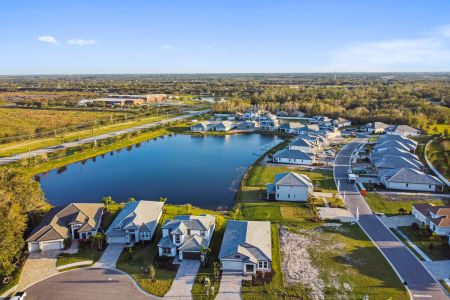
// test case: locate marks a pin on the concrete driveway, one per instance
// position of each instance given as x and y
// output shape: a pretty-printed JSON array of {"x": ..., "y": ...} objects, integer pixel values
[
  {"x": 110, "y": 256},
  {"x": 39, "y": 265},
  {"x": 230, "y": 287},
  {"x": 184, "y": 280},
  {"x": 87, "y": 284}
]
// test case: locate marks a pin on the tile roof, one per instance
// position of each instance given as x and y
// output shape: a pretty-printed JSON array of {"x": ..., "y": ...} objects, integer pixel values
[{"x": 249, "y": 238}]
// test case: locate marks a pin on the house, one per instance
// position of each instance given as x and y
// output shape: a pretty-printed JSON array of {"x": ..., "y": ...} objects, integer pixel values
[
  {"x": 295, "y": 157},
  {"x": 203, "y": 127},
  {"x": 137, "y": 221},
  {"x": 225, "y": 126},
  {"x": 291, "y": 127},
  {"x": 188, "y": 235},
  {"x": 298, "y": 113},
  {"x": 395, "y": 162},
  {"x": 246, "y": 247},
  {"x": 394, "y": 144},
  {"x": 311, "y": 128},
  {"x": 411, "y": 144},
  {"x": 410, "y": 179},
  {"x": 247, "y": 125},
  {"x": 381, "y": 152},
  {"x": 268, "y": 122},
  {"x": 75, "y": 221},
  {"x": 282, "y": 114},
  {"x": 404, "y": 130},
  {"x": 302, "y": 145},
  {"x": 376, "y": 127},
  {"x": 341, "y": 122},
  {"x": 437, "y": 218},
  {"x": 290, "y": 187}
]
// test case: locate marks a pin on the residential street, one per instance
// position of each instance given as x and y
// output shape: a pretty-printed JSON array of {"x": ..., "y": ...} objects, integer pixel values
[
  {"x": 420, "y": 283},
  {"x": 17, "y": 157}
]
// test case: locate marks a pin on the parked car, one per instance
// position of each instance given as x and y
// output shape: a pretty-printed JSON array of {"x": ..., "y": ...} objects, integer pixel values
[{"x": 19, "y": 296}]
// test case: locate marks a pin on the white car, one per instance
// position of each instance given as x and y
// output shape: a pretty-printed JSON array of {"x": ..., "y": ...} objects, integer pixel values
[{"x": 19, "y": 296}]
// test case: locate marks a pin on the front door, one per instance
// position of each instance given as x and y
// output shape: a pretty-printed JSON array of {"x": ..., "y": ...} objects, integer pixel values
[{"x": 249, "y": 268}]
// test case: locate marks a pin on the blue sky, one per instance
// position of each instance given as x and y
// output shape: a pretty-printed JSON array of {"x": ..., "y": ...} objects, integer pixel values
[{"x": 68, "y": 37}]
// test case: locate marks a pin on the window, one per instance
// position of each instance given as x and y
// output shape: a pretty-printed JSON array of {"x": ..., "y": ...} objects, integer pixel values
[
  {"x": 203, "y": 233},
  {"x": 407, "y": 185},
  {"x": 262, "y": 264},
  {"x": 177, "y": 239},
  {"x": 429, "y": 186},
  {"x": 188, "y": 232},
  {"x": 166, "y": 250},
  {"x": 237, "y": 256},
  {"x": 278, "y": 195},
  {"x": 289, "y": 196},
  {"x": 278, "y": 187}
]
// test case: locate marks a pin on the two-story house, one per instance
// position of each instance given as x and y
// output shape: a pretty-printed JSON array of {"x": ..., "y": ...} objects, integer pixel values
[
  {"x": 75, "y": 221},
  {"x": 187, "y": 235},
  {"x": 290, "y": 187},
  {"x": 437, "y": 218},
  {"x": 136, "y": 222}
]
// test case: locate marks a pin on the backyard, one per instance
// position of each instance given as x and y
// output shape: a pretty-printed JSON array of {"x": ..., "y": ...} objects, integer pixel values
[
  {"x": 435, "y": 247},
  {"x": 439, "y": 155},
  {"x": 391, "y": 204}
]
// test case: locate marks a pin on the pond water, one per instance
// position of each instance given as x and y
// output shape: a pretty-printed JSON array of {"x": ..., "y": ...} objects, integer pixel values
[{"x": 202, "y": 170}]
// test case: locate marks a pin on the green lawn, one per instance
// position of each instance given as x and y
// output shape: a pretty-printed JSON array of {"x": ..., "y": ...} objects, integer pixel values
[
  {"x": 143, "y": 256},
  {"x": 85, "y": 252},
  {"x": 380, "y": 204},
  {"x": 259, "y": 176},
  {"x": 440, "y": 249},
  {"x": 438, "y": 154},
  {"x": 438, "y": 128}
]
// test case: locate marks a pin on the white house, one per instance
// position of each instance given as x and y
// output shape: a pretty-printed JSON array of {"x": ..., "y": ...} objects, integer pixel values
[
  {"x": 409, "y": 143},
  {"x": 247, "y": 125},
  {"x": 137, "y": 221},
  {"x": 404, "y": 130},
  {"x": 75, "y": 221},
  {"x": 188, "y": 235},
  {"x": 291, "y": 127},
  {"x": 341, "y": 122},
  {"x": 290, "y": 187},
  {"x": 203, "y": 126},
  {"x": 246, "y": 247},
  {"x": 295, "y": 157},
  {"x": 302, "y": 145},
  {"x": 410, "y": 179},
  {"x": 437, "y": 218},
  {"x": 225, "y": 126},
  {"x": 268, "y": 122},
  {"x": 311, "y": 128},
  {"x": 376, "y": 127}
]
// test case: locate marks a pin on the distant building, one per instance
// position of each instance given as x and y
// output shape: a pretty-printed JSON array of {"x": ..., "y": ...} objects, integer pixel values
[
  {"x": 247, "y": 125},
  {"x": 376, "y": 127},
  {"x": 302, "y": 144},
  {"x": 225, "y": 126},
  {"x": 268, "y": 122},
  {"x": 203, "y": 127},
  {"x": 404, "y": 130},
  {"x": 410, "y": 179},
  {"x": 341, "y": 122},
  {"x": 291, "y": 127},
  {"x": 121, "y": 100},
  {"x": 290, "y": 187}
]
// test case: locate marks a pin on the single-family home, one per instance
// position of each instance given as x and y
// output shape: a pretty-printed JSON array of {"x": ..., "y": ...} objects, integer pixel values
[
  {"x": 376, "y": 127},
  {"x": 290, "y": 186},
  {"x": 411, "y": 144},
  {"x": 137, "y": 221},
  {"x": 404, "y": 130},
  {"x": 246, "y": 247},
  {"x": 290, "y": 127},
  {"x": 282, "y": 114},
  {"x": 310, "y": 128},
  {"x": 394, "y": 144},
  {"x": 302, "y": 145},
  {"x": 395, "y": 162},
  {"x": 247, "y": 125},
  {"x": 268, "y": 122},
  {"x": 75, "y": 221},
  {"x": 437, "y": 218},
  {"x": 225, "y": 126},
  {"x": 203, "y": 127},
  {"x": 381, "y": 152},
  {"x": 295, "y": 157},
  {"x": 341, "y": 122},
  {"x": 410, "y": 179},
  {"x": 187, "y": 235}
]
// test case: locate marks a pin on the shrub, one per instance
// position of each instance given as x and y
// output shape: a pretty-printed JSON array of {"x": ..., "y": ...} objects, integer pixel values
[{"x": 415, "y": 226}]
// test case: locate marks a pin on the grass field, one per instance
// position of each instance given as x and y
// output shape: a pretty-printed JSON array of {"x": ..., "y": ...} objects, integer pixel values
[
  {"x": 438, "y": 129},
  {"x": 142, "y": 257},
  {"x": 438, "y": 153},
  {"x": 33, "y": 144},
  {"x": 22, "y": 121},
  {"x": 259, "y": 176},
  {"x": 380, "y": 204},
  {"x": 85, "y": 252}
]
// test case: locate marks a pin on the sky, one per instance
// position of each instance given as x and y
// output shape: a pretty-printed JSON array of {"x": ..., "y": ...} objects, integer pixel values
[{"x": 223, "y": 36}]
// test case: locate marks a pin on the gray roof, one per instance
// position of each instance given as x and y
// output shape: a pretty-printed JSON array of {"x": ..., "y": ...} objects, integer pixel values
[
  {"x": 293, "y": 154},
  {"x": 377, "y": 125},
  {"x": 384, "y": 152},
  {"x": 393, "y": 144},
  {"x": 166, "y": 242},
  {"x": 294, "y": 179},
  {"x": 408, "y": 175},
  {"x": 291, "y": 125},
  {"x": 394, "y": 162},
  {"x": 225, "y": 124},
  {"x": 182, "y": 223},
  {"x": 136, "y": 215},
  {"x": 249, "y": 238},
  {"x": 194, "y": 243},
  {"x": 394, "y": 137},
  {"x": 301, "y": 143},
  {"x": 405, "y": 129}
]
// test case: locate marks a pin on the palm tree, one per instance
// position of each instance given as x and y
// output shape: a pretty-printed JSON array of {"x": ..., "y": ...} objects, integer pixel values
[
  {"x": 108, "y": 201},
  {"x": 204, "y": 251},
  {"x": 131, "y": 200}
]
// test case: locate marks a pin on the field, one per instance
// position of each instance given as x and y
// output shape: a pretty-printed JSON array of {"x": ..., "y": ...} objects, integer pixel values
[
  {"x": 383, "y": 204},
  {"x": 18, "y": 121},
  {"x": 438, "y": 154},
  {"x": 438, "y": 129}
]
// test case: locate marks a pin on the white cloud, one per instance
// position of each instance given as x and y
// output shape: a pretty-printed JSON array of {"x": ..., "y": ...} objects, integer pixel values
[
  {"x": 81, "y": 42},
  {"x": 431, "y": 50},
  {"x": 48, "y": 39},
  {"x": 168, "y": 48}
]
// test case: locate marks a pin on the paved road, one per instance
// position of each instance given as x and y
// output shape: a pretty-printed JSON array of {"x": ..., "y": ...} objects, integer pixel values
[
  {"x": 87, "y": 284},
  {"x": 420, "y": 283},
  {"x": 17, "y": 157}
]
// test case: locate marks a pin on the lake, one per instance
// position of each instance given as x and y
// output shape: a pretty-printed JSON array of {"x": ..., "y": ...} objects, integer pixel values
[{"x": 202, "y": 170}]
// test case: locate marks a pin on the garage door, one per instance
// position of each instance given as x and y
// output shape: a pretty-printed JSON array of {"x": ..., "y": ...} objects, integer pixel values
[
  {"x": 191, "y": 255},
  {"x": 232, "y": 265},
  {"x": 33, "y": 247},
  {"x": 56, "y": 245}
]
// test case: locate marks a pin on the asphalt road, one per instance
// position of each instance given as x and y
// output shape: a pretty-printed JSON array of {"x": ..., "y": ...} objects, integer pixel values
[
  {"x": 87, "y": 284},
  {"x": 17, "y": 157},
  {"x": 410, "y": 270}
]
